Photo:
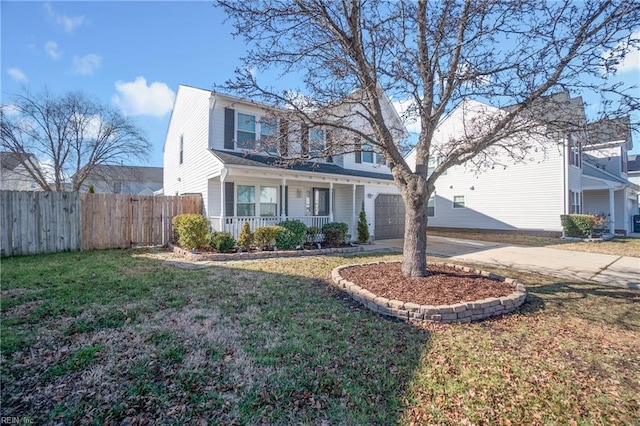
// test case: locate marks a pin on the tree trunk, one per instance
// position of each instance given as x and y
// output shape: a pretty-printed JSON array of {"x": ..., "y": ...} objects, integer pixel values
[{"x": 414, "y": 260}]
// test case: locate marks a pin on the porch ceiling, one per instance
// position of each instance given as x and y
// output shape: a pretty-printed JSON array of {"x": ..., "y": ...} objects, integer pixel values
[{"x": 590, "y": 183}]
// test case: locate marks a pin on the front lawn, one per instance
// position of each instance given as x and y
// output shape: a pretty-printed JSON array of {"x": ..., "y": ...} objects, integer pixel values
[{"x": 104, "y": 336}]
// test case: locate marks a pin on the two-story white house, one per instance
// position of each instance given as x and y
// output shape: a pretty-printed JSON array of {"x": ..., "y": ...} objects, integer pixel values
[
  {"x": 581, "y": 171},
  {"x": 213, "y": 147}
]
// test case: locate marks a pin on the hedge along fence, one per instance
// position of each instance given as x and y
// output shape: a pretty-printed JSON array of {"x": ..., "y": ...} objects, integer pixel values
[{"x": 48, "y": 222}]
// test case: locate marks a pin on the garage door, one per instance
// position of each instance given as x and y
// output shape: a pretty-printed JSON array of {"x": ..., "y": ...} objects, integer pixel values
[{"x": 389, "y": 217}]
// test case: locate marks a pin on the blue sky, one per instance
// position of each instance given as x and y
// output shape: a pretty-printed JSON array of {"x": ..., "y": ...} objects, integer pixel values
[{"x": 132, "y": 55}]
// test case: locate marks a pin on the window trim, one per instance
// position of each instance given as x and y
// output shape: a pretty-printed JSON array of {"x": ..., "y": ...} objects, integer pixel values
[
  {"x": 260, "y": 203},
  {"x": 237, "y": 203},
  {"x": 433, "y": 197},
  {"x": 575, "y": 200},
  {"x": 464, "y": 202},
  {"x": 314, "y": 152}
]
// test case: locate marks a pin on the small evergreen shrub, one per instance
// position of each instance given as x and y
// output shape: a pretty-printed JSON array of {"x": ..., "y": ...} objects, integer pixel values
[
  {"x": 298, "y": 229},
  {"x": 578, "y": 225},
  {"x": 245, "y": 239},
  {"x": 191, "y": 230},
  {"x": 312, "y": 235},
  {"x": 91, "y": 189},
  {"x": 223, "y": 242},
  {"x": 265, "y": 236},
  {"x": 333, "y": 237},
  {"x": 363, "y": 226},
  {"x": 287, "y": 239}
]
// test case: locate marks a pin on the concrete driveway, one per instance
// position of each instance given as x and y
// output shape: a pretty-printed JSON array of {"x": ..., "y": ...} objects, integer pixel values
[{"x": 605, "y": 269}]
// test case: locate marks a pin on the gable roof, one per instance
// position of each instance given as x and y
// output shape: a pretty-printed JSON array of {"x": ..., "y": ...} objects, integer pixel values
[
  {"x": 611, "y": 131},
  {"x": 11, "y": 160},
  {"x": 256, "y": 160},
  {"x": 633, "y": 164},
  {"x": 129, "y": 173}
]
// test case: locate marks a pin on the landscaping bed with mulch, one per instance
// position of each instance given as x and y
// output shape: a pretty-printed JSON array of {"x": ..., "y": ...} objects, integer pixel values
[{"x": 202, "y": 255}]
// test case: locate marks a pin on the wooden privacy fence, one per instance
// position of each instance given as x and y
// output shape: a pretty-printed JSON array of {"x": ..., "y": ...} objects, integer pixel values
[{"x": 47, "y": 222}]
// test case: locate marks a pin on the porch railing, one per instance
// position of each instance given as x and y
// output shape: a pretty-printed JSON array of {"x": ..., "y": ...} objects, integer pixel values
[{"x": 233, "y": 224}]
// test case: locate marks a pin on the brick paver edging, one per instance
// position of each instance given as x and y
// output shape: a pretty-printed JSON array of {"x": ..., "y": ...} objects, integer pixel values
[
  {"x": 221, "y": 257},
  {"x": 460, "y": 312}
]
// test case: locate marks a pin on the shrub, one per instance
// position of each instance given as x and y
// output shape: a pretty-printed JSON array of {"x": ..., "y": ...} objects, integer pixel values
[
  {"x": 341, "y": 226},
  {"x": 287, "y": 239},
  {"x": 578, "y": 225},
  {"x": 265, "y": 236},
  {"x": 333, "y": 236},
  {"x": 312, "y": 234},
  {"x": 245, "y": 239},
  {"x": 191, "y": 230},
  {"x": 298, "y": 229},
  {"x": 363, "y": 226},
  {"x": 222, "y": 241}
]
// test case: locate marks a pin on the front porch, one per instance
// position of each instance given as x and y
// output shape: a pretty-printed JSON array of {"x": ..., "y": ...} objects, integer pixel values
[
  {"x": 264, "y": 198},
  {"x": 611, "y": 199}
]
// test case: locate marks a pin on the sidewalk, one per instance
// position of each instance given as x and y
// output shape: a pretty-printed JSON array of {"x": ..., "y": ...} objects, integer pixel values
[{"x": 605, "y": 269}]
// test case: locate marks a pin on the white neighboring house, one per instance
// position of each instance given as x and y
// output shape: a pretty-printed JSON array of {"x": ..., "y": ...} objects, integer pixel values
[
  {"x": 531, "y": 195},
  {"x": 633, "y": 174},
  {"x": 213, "y": 148},
  {"x": 133, "y": 180},
  {"x": 13, "y": 174}
]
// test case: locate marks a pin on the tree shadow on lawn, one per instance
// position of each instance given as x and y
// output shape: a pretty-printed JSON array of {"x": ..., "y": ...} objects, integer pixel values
[{"x": 226, "y": 344}]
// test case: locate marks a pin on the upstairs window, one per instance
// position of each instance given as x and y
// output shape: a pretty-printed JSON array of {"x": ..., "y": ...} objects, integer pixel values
[
  {"x": 268, "y": 130},
  {"x": 433, "y": 163},
  {"x": 246, "y": 133},
  {"x": 368, "y": 156},
  {"x": 575, "y": 151},
  {"x": 317, "y": 142}
]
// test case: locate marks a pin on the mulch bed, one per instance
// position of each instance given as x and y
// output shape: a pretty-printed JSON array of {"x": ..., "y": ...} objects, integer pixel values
[{"x": 443, "y": 285}]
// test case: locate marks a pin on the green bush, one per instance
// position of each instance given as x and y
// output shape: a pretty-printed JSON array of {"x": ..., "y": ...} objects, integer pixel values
[
  {"x": 223, "y": 242},
  {"x": 312, "y": 234},
  {"x": 332, "y": 237},
  {"x": 191, "y": 230},
  {"x": 265, "y": 236},
  {"x": 298, "y": 229},
  {"x": 578, "y": 225},
  {"x": 245, "y": 239},
  {"x": 363, "y": 226},
  {"x": 287, "y": 239}
]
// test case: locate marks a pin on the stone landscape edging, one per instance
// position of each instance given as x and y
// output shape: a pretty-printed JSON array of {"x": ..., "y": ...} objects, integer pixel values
[
  {"x": 459, "y": 312},
  {"x": 221, "y": 257}
]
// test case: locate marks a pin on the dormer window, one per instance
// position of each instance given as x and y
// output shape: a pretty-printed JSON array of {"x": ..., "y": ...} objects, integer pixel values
[
  {"x": 575, "y": 151},
  {"x": 246, "y": 133}
]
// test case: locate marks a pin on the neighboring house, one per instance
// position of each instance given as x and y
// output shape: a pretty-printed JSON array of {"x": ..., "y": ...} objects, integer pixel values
[
  {"x": 213, "y": 148},
  {"x": 13, "y": 174},
  {"x": 575, "y": 173},
  {"x": 633, "y": 174},
  {"x": 134, "y": 180}
]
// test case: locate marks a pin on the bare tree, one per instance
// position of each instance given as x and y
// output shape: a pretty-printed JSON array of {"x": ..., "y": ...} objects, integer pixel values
[
  {"x": 511, "y": 54},
  {"x": 69, "y": 135}
]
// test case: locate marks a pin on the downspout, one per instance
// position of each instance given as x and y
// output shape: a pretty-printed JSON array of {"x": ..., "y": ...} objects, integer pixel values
[{"x": 565, "y": 178}]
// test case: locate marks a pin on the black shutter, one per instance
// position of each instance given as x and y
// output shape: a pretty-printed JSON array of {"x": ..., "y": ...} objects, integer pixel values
[
  {"x": 329, "y": 146},
  {"x": 358, "y": 152},
  {"x": 229, "y": 127},
  {"x": 304, "y": 140},
  {"x": 286, "y": 201},
  {"x": 228, "y": 199}
]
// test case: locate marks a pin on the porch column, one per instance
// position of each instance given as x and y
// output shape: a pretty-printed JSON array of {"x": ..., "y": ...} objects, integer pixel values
[
  {"x": 283, "y": 199},
  {"x": 223, "y": 177},
  {"x": 612, "y": 212},
  {"x": 330, "y": 201},
  {"x": 354, "y": 226}
]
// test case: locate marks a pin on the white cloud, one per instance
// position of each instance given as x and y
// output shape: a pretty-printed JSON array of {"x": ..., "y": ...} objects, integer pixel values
[
  {"x": 51, "y": 48},
  {"x": 138, "y": 98},
  {"x": 17, "y": 75},
  {"x": 68, "y": 23},
  {"x": 10, "y": 109},
  {"x": 631, "y": 61},
  {"x": 87, "y": 64},
  {"x": 409, "y": 115}
]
